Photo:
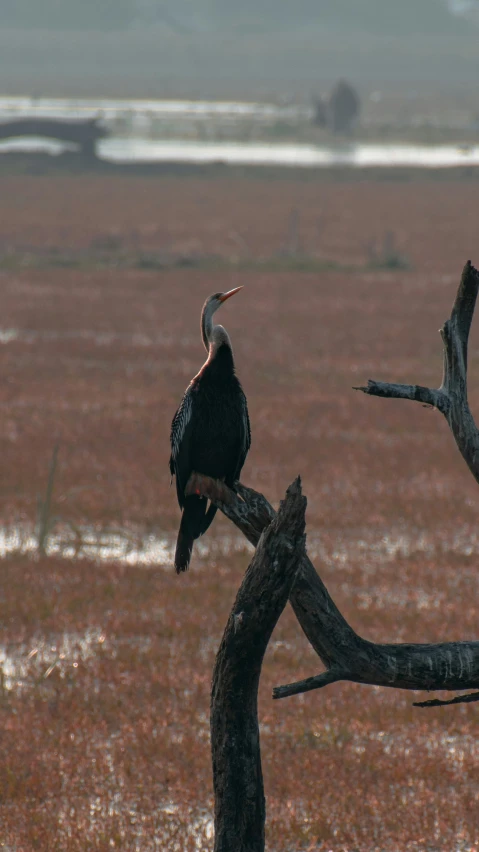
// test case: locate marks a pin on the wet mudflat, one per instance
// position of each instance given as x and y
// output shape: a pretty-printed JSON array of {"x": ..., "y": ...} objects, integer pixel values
[{"x": 106, "y": 659}]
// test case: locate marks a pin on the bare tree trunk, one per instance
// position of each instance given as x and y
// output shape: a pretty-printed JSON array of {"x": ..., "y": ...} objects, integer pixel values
[{"x": 237, "y": 776}]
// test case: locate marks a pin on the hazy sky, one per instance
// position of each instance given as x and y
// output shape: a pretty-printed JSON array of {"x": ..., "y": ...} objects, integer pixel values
[
  {"x": 216, "y": 15},
  {"x": 221, "y": 47}
]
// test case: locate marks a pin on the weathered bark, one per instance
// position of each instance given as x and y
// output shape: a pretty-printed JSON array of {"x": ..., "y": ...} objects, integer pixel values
[
  {"x": 345, "y": 654},
  {"x": 451, "y": 397},
  {"x": 237, "y": 776}
]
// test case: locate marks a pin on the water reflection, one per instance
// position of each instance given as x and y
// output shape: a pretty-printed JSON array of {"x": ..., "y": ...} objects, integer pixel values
[
  {"x": 132, "y": 149},
  {"x": 133, "y": 546},
  {"x": 84, "y": 541},
  {"x": 261, "y": 154},
  {"x": 151, "y": 130},
  {"x": 25, "y": 665},
  {"x": 69, "y": 108},
  {"x": 128, "y": 546}
]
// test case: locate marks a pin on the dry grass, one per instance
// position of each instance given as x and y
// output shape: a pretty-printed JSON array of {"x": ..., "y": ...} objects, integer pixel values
[{"x": 105, "y": 740}]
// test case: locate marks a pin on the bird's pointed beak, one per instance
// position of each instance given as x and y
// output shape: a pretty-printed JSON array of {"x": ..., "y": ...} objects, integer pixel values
[{"x": 227, "y": 295}]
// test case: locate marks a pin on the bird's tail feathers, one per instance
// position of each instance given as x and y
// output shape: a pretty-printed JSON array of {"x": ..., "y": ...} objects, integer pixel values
[
  {"x": 184, "y": 546},
  {"x": 195, "y": 520}
]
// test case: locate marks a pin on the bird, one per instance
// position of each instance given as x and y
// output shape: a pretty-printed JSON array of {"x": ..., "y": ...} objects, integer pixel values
[{"x": 210, "y": 432}]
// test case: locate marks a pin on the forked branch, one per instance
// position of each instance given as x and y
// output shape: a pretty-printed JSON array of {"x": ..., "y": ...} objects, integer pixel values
[
  {"x": 451, "y": 397},
  {"x": 345, "y": 655}
]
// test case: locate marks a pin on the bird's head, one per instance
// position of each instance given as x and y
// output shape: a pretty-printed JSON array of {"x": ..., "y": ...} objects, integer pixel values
[
  {"x": 209, "y": 308},
  {"x": 217, "y": 299}
]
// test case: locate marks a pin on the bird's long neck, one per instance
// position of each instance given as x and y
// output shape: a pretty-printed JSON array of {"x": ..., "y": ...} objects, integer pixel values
[
  {"x": 207, "y": 326},
  {"x": 217, "y": 344}
]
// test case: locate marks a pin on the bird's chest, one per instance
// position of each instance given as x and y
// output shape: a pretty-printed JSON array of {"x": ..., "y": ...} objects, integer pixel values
[
  {"x": 218, "y": 409},
  {"x": 218, "y": 426}
]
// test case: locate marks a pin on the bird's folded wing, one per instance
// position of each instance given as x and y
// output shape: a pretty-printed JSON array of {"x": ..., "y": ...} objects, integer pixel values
[
  {"x": 246, "y": 436},
  {"x": 180, "y": 438}
]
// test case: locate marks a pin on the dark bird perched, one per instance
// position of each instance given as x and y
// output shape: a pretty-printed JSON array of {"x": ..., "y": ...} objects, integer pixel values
[{"x": 210, "y": 432}]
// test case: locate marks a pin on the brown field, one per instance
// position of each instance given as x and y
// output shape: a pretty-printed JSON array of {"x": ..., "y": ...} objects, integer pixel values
[{"x": 106, "y": 665}]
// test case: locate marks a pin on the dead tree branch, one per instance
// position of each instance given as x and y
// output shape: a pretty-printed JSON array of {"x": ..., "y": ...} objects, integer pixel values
[
  {"x": 237, "y": 775},
  {"x": 345, "y": 655},
  {"x": 459, "y": 699},
  {"x": 451, "y": 397}
]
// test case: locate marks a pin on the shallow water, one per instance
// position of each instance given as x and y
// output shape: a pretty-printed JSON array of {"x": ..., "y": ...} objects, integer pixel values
[
  {"x": 70, "y": 108},
  {"x": 166, "y": 131},
  {"x": 132, "y": 149},
  {"x": 84, "y": 541},
  {"x": 244, "y": 153},
  {"x": 133, "y": 546},
  {"x": 24, "y": 665},
  {"x": 127, "y": 546}
]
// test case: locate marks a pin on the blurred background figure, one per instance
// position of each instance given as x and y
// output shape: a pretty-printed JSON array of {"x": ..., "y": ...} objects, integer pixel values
[{"x": 340, "y": 110}]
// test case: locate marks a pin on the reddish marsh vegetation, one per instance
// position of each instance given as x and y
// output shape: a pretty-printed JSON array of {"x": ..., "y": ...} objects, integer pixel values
[{"x": 106, "y": 667}]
